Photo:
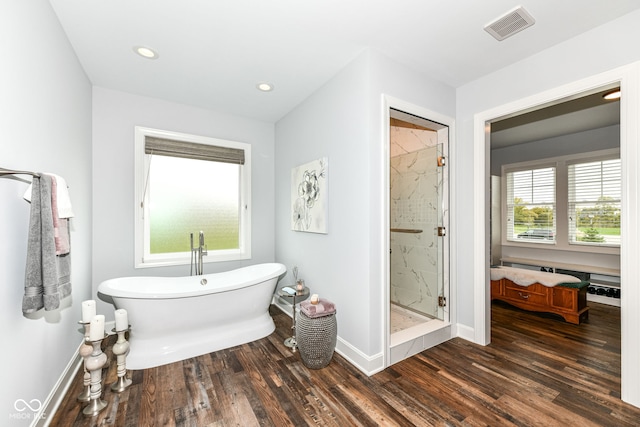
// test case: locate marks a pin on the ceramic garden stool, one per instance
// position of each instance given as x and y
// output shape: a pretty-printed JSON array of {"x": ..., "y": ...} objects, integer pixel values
[{"x": 316, "y": 333}]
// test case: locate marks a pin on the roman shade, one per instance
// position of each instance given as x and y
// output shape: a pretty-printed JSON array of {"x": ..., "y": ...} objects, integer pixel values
[{"x": 191, "y": 150}]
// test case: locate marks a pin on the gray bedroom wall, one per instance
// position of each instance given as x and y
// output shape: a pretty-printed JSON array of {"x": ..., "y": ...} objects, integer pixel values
[{"x": 581, "y": 142}]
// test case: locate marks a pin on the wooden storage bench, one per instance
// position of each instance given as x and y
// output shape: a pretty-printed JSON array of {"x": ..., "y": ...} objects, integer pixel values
[{"x": 568, "y": 300}]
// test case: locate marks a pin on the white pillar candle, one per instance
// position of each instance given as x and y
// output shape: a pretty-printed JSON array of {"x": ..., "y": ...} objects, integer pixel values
[
  {"x": 97, "y": 328},
  {"x": 122, "y": 322},
  {"x": 88, "y": 310}
]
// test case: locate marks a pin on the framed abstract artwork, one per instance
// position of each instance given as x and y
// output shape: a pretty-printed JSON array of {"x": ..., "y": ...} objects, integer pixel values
[{"x": 309, "y": 197}]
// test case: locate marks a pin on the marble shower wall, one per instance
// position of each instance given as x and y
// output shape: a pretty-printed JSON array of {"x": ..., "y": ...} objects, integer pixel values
[{"x": 415, "y": 188}]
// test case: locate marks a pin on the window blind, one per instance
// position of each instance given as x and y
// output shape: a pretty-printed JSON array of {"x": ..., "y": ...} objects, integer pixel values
[
  {"x": 531, "y": 203},
  {"x": 191, "y": 150},
  {"x": 595, "y": 190}
]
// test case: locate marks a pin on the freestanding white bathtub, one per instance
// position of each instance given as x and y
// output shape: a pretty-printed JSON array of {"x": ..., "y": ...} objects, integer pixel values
[{"x": 175, "y": 318}]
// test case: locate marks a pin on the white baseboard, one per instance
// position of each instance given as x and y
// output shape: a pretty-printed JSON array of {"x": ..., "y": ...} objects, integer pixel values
[
  {"x": 59, "y": 391},
  {"x": 465, "y": 332},
  {"x": 368, "y": 365},
  {"x": 603, "y": 299}
]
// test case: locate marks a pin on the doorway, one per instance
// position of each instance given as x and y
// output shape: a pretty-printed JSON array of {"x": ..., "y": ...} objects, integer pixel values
[
  {"x": 418, "y": 243},
  {"x": 628, "y": 78}
]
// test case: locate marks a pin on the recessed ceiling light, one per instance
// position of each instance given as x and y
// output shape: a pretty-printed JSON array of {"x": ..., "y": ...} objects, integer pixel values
[
  {"x": 614, "y": 94},
  {"x": 265, "y": 87},
  {"x": 145, "y": 52}
]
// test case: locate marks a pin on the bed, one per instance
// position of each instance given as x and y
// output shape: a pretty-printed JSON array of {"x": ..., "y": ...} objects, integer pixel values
[{"x": 540, "y": 291}]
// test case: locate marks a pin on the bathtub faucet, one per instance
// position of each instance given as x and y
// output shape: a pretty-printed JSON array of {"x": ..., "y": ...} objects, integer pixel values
[{"x": 196, "y": 255}]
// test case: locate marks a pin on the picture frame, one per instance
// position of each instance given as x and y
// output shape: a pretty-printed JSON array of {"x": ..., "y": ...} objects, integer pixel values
[{"x": 309, "y": 197}]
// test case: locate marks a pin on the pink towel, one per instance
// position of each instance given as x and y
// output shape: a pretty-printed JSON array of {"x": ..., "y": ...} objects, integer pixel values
[
  {"x": 60, "y": 225},
  {"x": 322, "y": 308}
]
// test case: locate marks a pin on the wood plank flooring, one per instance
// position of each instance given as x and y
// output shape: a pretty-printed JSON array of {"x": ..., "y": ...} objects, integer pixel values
[{"x": 538, "y": 371}]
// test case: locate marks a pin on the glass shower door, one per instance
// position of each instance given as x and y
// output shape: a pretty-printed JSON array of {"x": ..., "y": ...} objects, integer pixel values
[{"x": 418, "y": 230}]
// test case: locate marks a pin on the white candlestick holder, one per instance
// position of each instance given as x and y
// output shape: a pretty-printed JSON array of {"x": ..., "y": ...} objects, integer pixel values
[
  {"x": 85, "y": 351},
  {"x": 95, "y": 362},
  {"x": 121, "y": 349}
]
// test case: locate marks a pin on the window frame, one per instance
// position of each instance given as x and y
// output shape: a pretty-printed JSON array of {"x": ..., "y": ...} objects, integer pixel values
[
  {"x": 522, "y": 168},
  {"x": 143, "y": 258},
  {"x": 562, "y": 201},
  {"x": 570, "y": 163}
]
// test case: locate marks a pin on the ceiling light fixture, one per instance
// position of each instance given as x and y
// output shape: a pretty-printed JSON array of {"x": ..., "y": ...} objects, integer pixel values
[
  {"x": 614, "y": 94},
  {"x": 265, "y": 87},
  {"x": 146, "y": 52}
]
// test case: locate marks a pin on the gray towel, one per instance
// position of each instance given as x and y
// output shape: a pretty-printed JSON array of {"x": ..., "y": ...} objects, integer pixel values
[
  {"x": 42, "y": 276},
  {"x": 64, "y": 275}
]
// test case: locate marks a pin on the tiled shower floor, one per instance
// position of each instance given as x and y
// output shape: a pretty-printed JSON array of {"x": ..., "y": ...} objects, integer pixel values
[{"x": 402, "y": 319}]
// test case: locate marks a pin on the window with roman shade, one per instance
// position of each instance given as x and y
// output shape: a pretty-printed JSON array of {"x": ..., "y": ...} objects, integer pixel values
[{"x": 187, "y": 184}]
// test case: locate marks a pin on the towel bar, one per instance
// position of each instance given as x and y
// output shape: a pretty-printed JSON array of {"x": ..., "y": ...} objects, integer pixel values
[
  {"x": 4, "y": 172},
  {"x": 406, "y": 230}
]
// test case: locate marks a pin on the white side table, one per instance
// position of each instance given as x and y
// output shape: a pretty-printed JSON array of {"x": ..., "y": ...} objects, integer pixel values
[{"x": 294, "y": 298}]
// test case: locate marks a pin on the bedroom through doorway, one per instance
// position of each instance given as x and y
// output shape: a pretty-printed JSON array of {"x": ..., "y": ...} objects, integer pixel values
[{"x": 555, "y": 200}]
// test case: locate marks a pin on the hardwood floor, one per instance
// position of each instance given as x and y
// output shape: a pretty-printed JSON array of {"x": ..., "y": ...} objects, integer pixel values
[{"x": 538, "y": 371}]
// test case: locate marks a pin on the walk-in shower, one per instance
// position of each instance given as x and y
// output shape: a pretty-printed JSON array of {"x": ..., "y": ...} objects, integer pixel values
[{"x": 418, "y": 200}]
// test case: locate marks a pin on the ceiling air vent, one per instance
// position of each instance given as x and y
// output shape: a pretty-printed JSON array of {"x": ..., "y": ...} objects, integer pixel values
[{"x": 510, "y": 23}]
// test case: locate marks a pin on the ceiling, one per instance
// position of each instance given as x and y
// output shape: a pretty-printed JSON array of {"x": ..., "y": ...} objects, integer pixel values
[
  {"x": 213, "y": 53},
  {"x": 582, "y": 113}
]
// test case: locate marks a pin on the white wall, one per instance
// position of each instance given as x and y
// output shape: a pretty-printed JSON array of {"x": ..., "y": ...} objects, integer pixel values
[
  {"x": 45, "y": 123},
  {"x": 397, "y": 81},
  {"x": 115, "y": 114},
  {"x": 331, "y": 123},
  {"x": 343, "y": 121},
  {"x": 604, "y": 48}
]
